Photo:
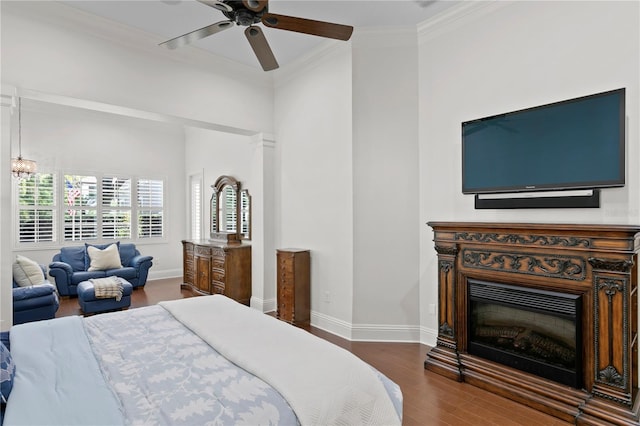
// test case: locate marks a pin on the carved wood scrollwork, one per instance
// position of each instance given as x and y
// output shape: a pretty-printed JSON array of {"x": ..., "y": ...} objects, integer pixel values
[
  {"x": 446, "y": 250},
  {"x": 445, "y": 329},
  {"x": 542, "y": 240},
  {"x": 446, "y": 267},
  {"x": 566, "y": 267},
  {"x": 610, "y": 288},
  {"x": 596, "y": 262},
  {"x": 613, "y": 265},
  {"x": 611, "y": 376}
]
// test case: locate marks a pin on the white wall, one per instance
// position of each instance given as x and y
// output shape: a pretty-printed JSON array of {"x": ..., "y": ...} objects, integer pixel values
[
  {"x": 479, "y": 59},
  {"x": 77, "y": 141},
  {"x": 347, "y": 131},
  {"x": 52, "y": 48},
  {"x": 215, "y": 154},
  {"x": 314, "y": 180},
  {"x": 495, "y": 57},
  {"x": 55, "y": 53},
  {"x": 6, "y": 255},
  {"x": 385, "y": 186}
]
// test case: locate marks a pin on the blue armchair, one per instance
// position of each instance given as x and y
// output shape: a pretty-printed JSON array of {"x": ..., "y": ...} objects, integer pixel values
[
  {"x": 70, "y": 267},
  {"x": 35, "y": 302}
]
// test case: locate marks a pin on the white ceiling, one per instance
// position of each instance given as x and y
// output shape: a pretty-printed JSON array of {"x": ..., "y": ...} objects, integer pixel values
[{"x": 171, "y": 18}]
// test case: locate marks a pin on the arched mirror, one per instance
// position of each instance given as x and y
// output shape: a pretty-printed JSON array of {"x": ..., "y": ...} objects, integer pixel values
[{"x": 230, "y": 211}]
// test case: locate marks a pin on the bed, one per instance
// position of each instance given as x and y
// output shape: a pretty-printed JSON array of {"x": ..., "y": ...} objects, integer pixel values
[{"x": 195, "y": 361}]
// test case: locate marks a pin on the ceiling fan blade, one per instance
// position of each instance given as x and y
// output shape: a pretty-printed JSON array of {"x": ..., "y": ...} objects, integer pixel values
[
  {"x": 217, "y": 5},
  {"x": 308, "y": 26},
  {"x": 255, "y": 5},
  {"x": 197, "y": 34},
  {"x": 261, "y": 48}
]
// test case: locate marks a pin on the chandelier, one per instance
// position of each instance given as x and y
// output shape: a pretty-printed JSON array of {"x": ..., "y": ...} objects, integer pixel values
[{"x": 21, "y": 168}]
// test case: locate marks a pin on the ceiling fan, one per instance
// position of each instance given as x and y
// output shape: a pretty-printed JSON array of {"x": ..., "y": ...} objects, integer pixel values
[{"x": 250, "y": 12}]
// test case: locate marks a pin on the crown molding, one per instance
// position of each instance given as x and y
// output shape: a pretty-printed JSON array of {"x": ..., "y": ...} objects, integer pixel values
[
  {"x": 457, "y": 16},
  {"x": 385, "y": 37},
  {"x": 73, "y": 19},
  {"x": 310, "y": 60}
]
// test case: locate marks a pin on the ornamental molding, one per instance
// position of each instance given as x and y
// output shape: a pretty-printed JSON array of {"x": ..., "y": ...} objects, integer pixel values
[
  {"x": 614, "y": 265},
  {"x": 565, "y": 267},
  {"x": 445, "y": 329},
  {"x": 610, "y": 375},
  {"x": 447, "y": 250},
  {"x": 540, "y": 240},
  {"x": 610, "y": 288}
]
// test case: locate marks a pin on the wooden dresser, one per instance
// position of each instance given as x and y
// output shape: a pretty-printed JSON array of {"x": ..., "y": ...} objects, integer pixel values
[
  {"x": 211, "y": 267},
  {"x": 294, "y": 285}
]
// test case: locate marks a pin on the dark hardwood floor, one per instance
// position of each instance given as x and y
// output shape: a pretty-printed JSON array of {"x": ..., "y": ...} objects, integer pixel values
[{"x": 429, "y": 399}]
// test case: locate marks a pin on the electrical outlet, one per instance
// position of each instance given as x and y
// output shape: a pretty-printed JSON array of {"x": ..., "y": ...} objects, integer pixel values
[
  {"x": 431, "y": 308},
  {"x": 327, "y": 297}
]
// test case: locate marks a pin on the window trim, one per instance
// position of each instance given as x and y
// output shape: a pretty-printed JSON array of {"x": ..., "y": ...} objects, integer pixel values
[
  {"x": 61, "y": 207},
  {"x": 196, "y": 207}
]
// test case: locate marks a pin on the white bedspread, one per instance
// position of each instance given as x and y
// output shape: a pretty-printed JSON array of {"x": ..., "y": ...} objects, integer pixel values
[{"x": 323, "y": 383}]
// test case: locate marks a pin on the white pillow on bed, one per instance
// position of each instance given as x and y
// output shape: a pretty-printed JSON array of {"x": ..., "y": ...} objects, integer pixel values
[
  {"x": 101, "y": 260},
  {"x": 27, "y": 272}
]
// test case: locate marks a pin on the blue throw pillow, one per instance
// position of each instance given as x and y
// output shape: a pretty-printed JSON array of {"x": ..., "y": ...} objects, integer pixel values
[{"x": 7, "y": 372}]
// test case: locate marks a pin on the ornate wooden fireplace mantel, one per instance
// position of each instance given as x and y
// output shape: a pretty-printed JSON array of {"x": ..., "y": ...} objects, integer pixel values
[{"x": 597, "y": 262}]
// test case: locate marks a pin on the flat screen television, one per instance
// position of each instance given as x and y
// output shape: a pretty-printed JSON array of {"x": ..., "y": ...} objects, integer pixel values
[{"x": 573, "y": 144}]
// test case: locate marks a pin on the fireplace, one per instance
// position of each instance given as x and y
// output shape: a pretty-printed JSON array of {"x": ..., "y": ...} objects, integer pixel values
[
  {"x": 536, "y": 331},
  {"x": 544, "y": 314}
]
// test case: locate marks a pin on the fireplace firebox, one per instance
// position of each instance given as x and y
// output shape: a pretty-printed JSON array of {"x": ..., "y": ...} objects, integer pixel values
[
  {"x": 532, "y": 330},
  {"x": 544, "y": 314}
]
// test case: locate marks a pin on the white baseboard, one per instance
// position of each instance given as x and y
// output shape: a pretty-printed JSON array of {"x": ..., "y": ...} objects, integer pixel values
[
  {"x": 428, "y": 336},
  {"x": 155, "y": 274},
  {"x": 332, "y": 325},
  {"x": 385, "y": 333},
  {"x": 352, "y": 332},
  {"x": 263, "y": 305}
]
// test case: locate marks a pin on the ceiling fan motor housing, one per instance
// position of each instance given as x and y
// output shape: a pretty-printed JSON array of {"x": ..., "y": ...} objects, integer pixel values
[{"x": 241, "y": 15}]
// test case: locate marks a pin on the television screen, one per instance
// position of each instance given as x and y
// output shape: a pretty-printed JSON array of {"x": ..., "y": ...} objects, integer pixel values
[{"x": 573, "y": 144}]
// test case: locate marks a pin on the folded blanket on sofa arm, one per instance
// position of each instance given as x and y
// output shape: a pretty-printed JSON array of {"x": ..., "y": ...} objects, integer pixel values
[{"x": 108, "y": 287}]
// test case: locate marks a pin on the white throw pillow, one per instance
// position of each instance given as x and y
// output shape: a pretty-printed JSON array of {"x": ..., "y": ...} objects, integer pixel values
[
  {"x": 101, "y": 260},
  {"x": 27, "y": 272}
]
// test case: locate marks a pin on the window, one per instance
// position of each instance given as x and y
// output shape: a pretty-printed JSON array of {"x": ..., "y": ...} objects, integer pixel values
[
  {"x": 150, "y": 208},
  {"x": 81, "y": 214},
  {"x": 88, "y": 207},
  {"x": 229, "y": 209},
  {"x": 196, "y": 206},
  {"x": 116, "y": 208},
  {"x": 36, "y": 208}
]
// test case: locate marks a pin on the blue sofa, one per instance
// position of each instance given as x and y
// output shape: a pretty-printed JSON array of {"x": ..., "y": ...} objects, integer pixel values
[
  {"x": 70, "y": 267},
  {"x": 35, "y": 302}
]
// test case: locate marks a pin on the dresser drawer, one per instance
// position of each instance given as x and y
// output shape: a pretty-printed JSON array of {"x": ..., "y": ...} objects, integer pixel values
[
  {"x": 217, "y": 287},
  {"x": 217, "y": 263},
  {"x": 217, "y": 275},
  {"x": 203, "y": 251},
  {"x": 218, "y": 252},
  {"x": 211, "y": 268}
]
